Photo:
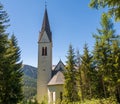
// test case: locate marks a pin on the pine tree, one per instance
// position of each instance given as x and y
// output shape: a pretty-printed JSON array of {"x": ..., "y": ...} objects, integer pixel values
[
  {"x": 79, "y": 76},
  {"x": 17, "y": 74},
  {"x": 3, "y": 46},
  {"x": 86, "y": 67},
  {"x": 113, "y": 7},
  {"x": 114, "y": 79},
  {"x": 3, "y": 36},
  {"x": 10, "y": 73},
  {"x": 70, "y": 86},
  {"x": 102, "y": 53}
]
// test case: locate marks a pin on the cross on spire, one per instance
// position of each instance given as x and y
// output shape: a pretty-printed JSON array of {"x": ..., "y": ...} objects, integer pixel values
[
  {"x": 45, "y": 4},
  {"x": 46, "y": 27}
]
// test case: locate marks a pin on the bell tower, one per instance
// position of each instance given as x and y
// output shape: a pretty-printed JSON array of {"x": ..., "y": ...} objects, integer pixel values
[{"x": 44, "y": 58}]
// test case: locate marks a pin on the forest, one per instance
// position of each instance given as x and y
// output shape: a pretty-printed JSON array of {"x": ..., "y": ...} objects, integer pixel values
[{"x": 95, "y": 75}]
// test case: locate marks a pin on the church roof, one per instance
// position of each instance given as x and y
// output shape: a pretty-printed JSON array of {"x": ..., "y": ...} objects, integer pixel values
[
  {"x": 59, "y": 67},
  {"x": 45, "y": 27},
  {"x": 57, "y": 79}
]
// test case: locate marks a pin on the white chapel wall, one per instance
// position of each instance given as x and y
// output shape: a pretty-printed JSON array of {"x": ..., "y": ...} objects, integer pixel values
[{"x": 55, "y": 89}]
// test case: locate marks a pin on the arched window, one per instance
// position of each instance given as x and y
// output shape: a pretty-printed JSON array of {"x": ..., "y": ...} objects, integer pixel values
[{"x": 44, "y": 51}]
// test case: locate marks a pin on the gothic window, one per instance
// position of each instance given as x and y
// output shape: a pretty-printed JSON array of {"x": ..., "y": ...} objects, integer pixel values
[{"x": 44, "y": 51}]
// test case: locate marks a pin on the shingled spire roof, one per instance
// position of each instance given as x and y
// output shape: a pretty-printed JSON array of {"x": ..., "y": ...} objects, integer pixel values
[{"x": 46, "y": 27}]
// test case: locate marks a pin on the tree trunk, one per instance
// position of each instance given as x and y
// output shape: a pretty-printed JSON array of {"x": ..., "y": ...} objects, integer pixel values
[{"x": 103, "y": 84}]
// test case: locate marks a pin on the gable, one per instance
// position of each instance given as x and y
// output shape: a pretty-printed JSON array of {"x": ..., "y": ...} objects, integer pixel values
[
  {"x": 60, "y": 66},
  {"x": 44, "y": 37}
]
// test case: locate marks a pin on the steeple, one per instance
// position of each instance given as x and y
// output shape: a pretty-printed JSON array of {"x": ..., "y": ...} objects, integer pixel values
[
  {"x": 44, "y": 59},
  {"x": 45, "y": 27}
]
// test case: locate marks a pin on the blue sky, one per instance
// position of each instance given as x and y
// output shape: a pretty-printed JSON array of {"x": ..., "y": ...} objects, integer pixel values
[{"x": 71, "y": 22}]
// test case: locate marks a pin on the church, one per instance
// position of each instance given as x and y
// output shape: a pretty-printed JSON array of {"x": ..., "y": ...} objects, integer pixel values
[{"x": 50, "y": 79}]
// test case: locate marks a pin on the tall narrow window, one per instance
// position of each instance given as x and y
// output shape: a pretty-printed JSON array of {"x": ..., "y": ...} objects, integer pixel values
[
  {"x": 61, "y": 96},
  {"x": 51, "y": 97},
  {"x": 45, "y": 51}
]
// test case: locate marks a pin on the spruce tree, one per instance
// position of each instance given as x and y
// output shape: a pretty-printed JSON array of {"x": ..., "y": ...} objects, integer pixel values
[
  {"x": 79, "y": 76},
  {"x": 112, "y": 5},
  {"x": 70, "y": 86},
  {"x": 102, "y": 53},
  {"x": 3, "y": 47},
  {"x": 10, "y": 73},
  {"x": 114, "y": 77},
  {"x": 3, "y": 36},
  {"x": 17, "y": 74},
  {"x": 86, "y": 67}
]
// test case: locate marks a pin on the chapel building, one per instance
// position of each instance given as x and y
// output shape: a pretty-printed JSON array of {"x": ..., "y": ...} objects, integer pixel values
[{"x": 50, "y": 79}]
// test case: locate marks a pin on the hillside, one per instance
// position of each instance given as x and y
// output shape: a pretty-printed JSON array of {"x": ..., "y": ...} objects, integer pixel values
[{"x": 29, "y": 81}]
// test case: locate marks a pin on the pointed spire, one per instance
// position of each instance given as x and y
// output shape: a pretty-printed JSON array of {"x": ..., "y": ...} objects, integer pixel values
[{"x": 46, "y": 26}]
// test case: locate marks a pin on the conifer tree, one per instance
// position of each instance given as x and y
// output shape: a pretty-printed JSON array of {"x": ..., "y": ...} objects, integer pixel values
[
  {"x": 102, "y": 53},
  {"x": 3, "y": 46},
  {"x": 114, "y": 77},
  {"x": 86, "y": 67},
  {"x": 112, "y": 5},
  {"x": 70, "y": 86},
  {"x": 79, "y": 76},
  {"x": 3, "y": 36},
  {"x": 17, "y": 74},
  {"x": 10, "y": 73}
]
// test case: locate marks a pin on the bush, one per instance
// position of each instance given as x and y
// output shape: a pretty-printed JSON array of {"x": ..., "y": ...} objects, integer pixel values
[{"x": 94, "y": 101}]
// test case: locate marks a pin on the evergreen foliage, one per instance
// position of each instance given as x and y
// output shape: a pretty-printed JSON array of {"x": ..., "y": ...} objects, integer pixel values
[
  {"x": 3, "y": 47},
  {"x": 70, "y": 86},
  {"x": 95, "y": 76},
  {"x": 86, "y": 67},
  {"x": 103, "y": 57},
  {"x": 79, "y": 76},
  {"x": 87, "y": 76},
  {"x": 112, "y": 5},
  {"x": 10, "y": 73},
  {"x": 102, "y": 51}
]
